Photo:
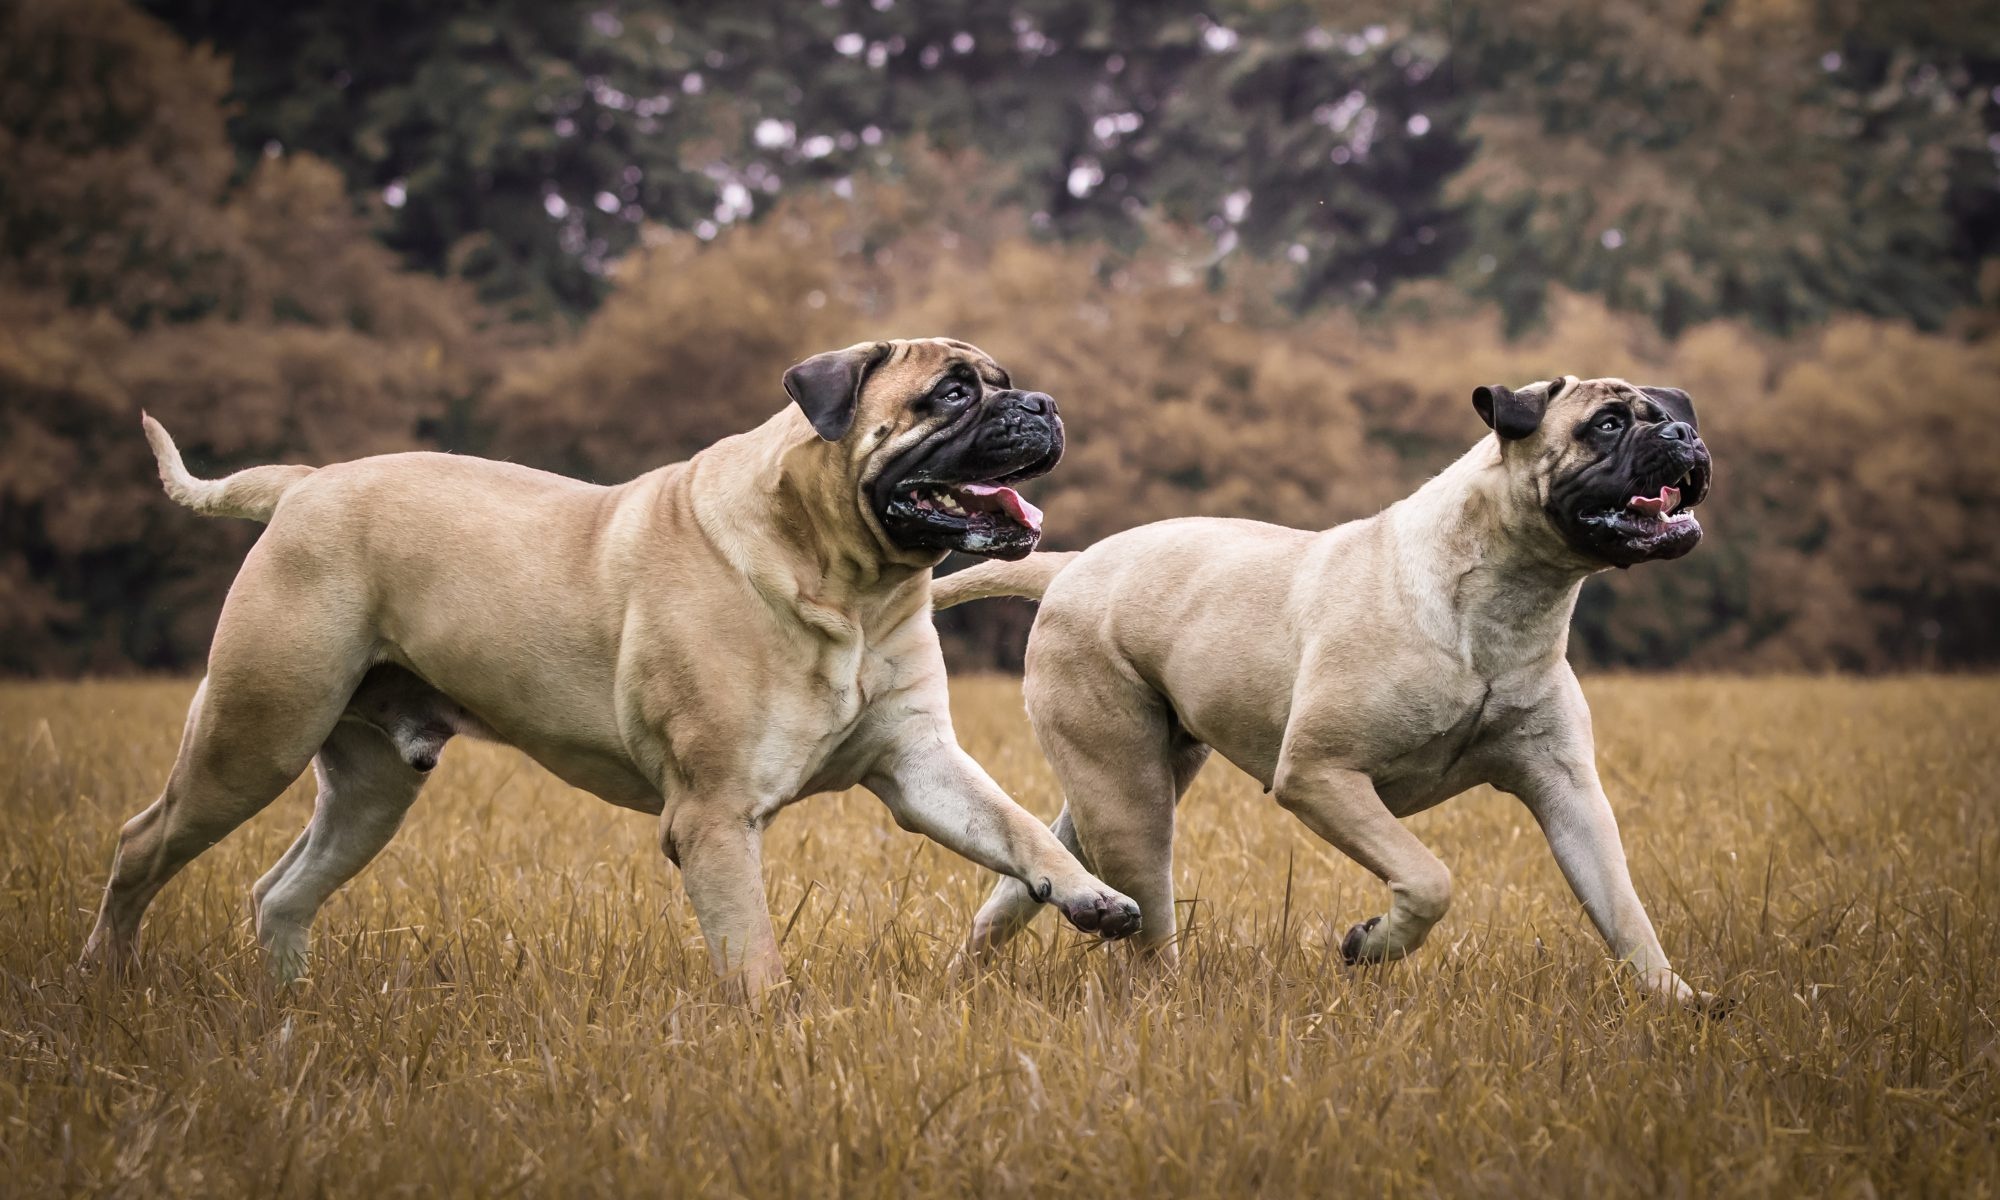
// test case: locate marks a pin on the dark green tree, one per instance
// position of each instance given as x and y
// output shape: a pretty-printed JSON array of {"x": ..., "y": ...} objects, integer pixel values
[
  {"x": 1697, "y": 158},
  {"x": 526, "y": 145}
]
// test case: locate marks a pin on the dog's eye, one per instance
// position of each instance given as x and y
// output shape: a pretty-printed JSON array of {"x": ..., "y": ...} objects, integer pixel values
[
  {"x": 954, "y": 393},
  {"x": 1610, "y": 423}
]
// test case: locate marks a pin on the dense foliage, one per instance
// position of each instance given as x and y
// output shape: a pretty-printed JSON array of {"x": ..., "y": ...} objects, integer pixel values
[
  {"x": 1763, "y": 159},
  {"x": 1855, "y": 520},
  {"x": 374, "y": 229},
  {"x": 136, "y": 274}
]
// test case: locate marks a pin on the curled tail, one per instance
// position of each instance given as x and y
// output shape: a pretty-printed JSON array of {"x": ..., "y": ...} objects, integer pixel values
[
  {"x": 1029, "y": 577},
  {"x": 253, "y": 493}
]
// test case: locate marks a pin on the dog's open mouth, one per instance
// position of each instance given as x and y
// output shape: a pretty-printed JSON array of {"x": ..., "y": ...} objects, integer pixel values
[
  {"x": 1656, "y": 516},
  {"x": 976, "y": 504},
  {"x": 977, "y": 516}
]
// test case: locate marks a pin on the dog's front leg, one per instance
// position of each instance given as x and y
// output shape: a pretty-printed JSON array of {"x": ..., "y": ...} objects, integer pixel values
[
  {"x": 720, "y": 854},
  {"x": 934, "y": 788},
  {"x": 1341, "y": 806},
  {"x": 1568, "y": 801}
]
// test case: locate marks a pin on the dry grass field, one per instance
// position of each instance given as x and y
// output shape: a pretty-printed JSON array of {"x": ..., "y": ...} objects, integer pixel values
[{"x": 514, "y": 998}]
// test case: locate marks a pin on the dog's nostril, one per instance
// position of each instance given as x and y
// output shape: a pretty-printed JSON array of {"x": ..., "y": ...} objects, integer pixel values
[
  {"x": 1037, "y": 402},
  {"x": 1677, "y": 431}
]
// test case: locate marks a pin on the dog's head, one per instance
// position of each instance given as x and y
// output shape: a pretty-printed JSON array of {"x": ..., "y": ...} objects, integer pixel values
[
  {"x": 931, "y": 434},
  {"x": 1617, "y": 469}
]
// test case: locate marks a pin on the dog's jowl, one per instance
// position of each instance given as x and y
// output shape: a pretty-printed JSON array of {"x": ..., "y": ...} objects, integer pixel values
[
  {"x": 1366, "y": 672},
  {"x": 708, "y": 643}
]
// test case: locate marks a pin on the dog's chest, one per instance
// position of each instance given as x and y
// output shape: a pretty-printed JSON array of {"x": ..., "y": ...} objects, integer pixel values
[
  {"x": 842, "y": 679},
  {"x": 1453, "y": 757},
  {"x": 804, "y": 743}
]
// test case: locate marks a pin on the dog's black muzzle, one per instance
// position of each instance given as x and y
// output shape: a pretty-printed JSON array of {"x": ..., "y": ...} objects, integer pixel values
[{"x": 950, "y": 491}]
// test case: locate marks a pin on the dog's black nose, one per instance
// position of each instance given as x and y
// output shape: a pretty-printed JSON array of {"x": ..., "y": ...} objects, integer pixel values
[
  {"x": 1037, "y": 402},
  {"x": 1677, "y": 431}
]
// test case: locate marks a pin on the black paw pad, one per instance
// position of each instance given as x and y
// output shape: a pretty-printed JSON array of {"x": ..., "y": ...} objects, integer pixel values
[
  {"x": 1119, "y": 920},
  {"x": 1350, "y": 946},
  {"x": 1108, "y": 918}
]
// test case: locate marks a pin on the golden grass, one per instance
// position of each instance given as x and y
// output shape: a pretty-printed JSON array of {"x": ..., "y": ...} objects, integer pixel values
[{"x": 515, "y": 998}]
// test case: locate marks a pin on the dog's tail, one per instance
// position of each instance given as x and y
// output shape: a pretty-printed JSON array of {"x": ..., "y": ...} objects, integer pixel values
[
  {"x": 1029, "y": 577},
  {"x": 253, "y": 492}
]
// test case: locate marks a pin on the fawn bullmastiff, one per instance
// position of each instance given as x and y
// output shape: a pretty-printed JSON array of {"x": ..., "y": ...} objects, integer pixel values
[
  {"x": 708, "y": 642},
  {"x": 1366, "y": 672}
]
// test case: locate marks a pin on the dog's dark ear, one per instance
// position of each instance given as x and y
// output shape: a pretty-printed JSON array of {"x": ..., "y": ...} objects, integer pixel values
[
  {"x": 827, "y": 387},
  {"x": 1511, "y": 414},
  {"x": 1677, "y": 404}
]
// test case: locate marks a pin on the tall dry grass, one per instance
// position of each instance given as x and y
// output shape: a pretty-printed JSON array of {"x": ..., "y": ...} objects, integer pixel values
[{"x": 515, "y": 999}]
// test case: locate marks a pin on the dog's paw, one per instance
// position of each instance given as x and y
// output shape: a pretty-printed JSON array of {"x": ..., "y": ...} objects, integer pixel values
[
  {"x": 1712, "y": 1006},
  {"x": 102, "y": 959},
  {"x": 1667, "y": 987},
  {"x": 1354, "y": 947},
  {"x": 1104, "y": 913},
  {"x": 286, "y": 956},
  {"x": 1709, "y": 1006}
]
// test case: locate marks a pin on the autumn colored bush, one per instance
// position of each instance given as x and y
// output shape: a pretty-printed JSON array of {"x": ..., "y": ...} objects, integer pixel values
[
  {"x": 257, "y": 316},
  {"x": 1855, "y": 521}
]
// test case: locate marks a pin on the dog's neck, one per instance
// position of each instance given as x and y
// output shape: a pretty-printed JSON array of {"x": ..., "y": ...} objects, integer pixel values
[
  {"x": 828, "y": 562},
  {"x": 1480, "y": 568}
]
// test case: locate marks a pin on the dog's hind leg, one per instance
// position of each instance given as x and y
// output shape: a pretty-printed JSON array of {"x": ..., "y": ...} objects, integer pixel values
[
  {"x": 279, "y": 674},
  {"x": 365, "y": 788},
  {"x": 1123, "y": 765}
]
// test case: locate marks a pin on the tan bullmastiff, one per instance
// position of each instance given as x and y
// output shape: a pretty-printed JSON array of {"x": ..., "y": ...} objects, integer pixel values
[
  {"x": 708, "y": 642},
  {"x": 1366, "y": 672}
]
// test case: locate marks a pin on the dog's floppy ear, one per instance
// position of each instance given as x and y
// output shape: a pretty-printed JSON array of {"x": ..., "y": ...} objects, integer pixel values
[
  {"x": 1677, "y": 404},
  {"x": 1511, "y": 414},
  {"x": 827, "y": 387}
]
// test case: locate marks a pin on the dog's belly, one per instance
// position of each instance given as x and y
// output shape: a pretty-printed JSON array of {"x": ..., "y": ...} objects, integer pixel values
[
  {"x": 610, "y": 778},
  {"x": 1414, "y": 771},
  {"x": 1423, "y": 780},
  {"x": 400, "y": 702}
]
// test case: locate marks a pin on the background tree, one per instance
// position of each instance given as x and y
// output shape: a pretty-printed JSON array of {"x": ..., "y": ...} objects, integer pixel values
[
  {"x": 257, "y": 317},
  {"x": 525, "y": 145},
  {"x": 1690, "y": 159},
  {"x": 1694, "y": 159}
]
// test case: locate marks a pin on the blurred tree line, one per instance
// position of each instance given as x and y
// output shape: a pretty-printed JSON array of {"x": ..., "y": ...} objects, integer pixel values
[
  {"x": 1261, "y": 251},
  {"x": 1776, "y": 160}
]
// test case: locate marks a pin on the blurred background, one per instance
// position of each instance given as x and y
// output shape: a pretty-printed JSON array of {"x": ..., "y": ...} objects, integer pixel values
[{"x": 1260, "y": 251}]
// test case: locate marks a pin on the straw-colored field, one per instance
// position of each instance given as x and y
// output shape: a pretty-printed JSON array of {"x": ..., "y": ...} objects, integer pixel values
[{"x": 514, "y": 997}]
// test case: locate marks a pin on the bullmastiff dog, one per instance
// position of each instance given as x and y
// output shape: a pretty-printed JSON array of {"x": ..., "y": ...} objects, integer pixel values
[
  {"x": 1366, "y": 672},
  {"x": 707, "y": 643}
]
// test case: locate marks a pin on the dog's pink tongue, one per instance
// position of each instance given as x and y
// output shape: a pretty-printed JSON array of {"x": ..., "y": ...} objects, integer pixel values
[
  {"x": 1023, "y": 512},
  {"x": 1659, "y": 505}
]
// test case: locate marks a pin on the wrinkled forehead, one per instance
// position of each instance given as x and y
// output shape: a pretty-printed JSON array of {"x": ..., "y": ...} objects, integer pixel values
[
  {"x": 920, "y": 364},
  {"x": 1643, "y": 402}
]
